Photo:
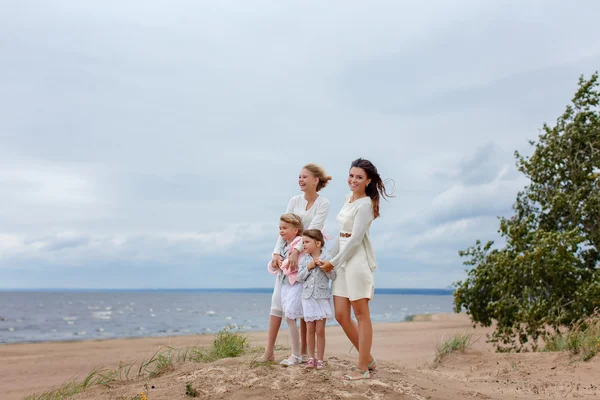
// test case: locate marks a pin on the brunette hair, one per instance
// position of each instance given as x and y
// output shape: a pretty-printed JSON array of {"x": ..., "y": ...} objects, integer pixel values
[
  {"x": 315, "y": 235},
  {"x": 294, "y": 220},
  {"x": 320, "y": 173},
  {"x": 376, "y": 188}
]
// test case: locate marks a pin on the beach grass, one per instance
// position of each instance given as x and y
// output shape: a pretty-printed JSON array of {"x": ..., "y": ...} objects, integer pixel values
[
  {"x": 459, "y": 341},
  {"x": 226, "y": 344},
  {"x": 582, "y": 340},
  {"x": 69, "y": 388},
  {"x": 190, "y": 391}
]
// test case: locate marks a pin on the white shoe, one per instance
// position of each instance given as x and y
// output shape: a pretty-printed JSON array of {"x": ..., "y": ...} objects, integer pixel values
[{"x": 291, "y": 360}]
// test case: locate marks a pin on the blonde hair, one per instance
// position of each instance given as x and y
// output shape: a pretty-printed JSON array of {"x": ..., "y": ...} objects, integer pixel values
[
  {"x": 293, "y": 220},
  {"x": 320, "y": 173}
]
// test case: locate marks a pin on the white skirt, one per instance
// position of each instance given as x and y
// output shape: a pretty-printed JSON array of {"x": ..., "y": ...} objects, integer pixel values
[
  {"x": 354, "y": 279},
  {"x": 317, "y": 309},
  {"x": 291, "y": 300}
]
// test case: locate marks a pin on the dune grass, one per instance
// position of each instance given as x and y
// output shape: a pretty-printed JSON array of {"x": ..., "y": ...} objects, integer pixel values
[
  {"x": 457, "y": 342},
  {"x": 582, "y": 340},
  {"x": 225, "y": 344}
]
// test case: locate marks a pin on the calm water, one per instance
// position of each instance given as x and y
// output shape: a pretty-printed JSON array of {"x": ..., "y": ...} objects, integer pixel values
[{"x": 30, "y": 316}]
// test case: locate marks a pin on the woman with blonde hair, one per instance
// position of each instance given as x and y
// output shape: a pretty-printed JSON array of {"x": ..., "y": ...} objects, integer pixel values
[{"x": 313, "y": 209}]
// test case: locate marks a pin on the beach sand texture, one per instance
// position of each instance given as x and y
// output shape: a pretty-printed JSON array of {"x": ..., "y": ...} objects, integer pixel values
[{"x": 405, "y": 353}]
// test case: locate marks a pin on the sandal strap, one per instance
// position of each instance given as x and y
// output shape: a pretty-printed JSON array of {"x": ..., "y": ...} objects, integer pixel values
[{"x": 364, "y": 375}]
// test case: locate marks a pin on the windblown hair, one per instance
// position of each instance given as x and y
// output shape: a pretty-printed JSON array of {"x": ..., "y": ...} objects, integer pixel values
[
  {"x": 376, "y": 188},
  {"x": 293, "y": 220},
  {"x": 320, "y": 173}
]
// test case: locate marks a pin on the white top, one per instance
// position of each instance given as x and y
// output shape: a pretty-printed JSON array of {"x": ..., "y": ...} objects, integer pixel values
[
  {"x": 354, "y": 218},
  {"x": 311, "y": 219}
]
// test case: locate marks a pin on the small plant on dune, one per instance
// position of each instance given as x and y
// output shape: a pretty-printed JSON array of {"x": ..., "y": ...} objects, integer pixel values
[
  {"x": 225, "y": 344},
  {"x": 190, "y": 391},
  {"x": 229, "y": 344},
  {"x": 582, "y": 340},
  {"x": 457, "y": 342}
]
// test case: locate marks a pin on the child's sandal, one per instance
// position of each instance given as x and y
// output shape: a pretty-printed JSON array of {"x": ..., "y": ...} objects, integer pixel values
[
  {"x": 310, "y": 363},
  {"x": 291, "y": 360},
  {"x": 320, "y": 364}
]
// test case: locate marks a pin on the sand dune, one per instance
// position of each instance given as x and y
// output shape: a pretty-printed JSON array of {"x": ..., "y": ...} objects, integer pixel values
[{"x": 405, "y": 352}]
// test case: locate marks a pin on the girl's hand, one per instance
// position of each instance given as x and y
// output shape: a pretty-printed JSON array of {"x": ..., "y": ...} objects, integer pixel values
[
  {"x": 319, "y": 262},
  {"x": 311, "y": 265},
  {"x": 293, "y": 260},
  {"x": 276, "y": 260},
  {"x": 327, "y": 267}
]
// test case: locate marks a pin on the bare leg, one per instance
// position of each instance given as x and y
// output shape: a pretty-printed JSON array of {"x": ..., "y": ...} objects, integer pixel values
[
  {"x": 310, "y": 338},
  {"x": 365, "y": 335},
  {"x": 320, "y": 330},
  {"x": 343, "y": 316},
  {"x": 274, "y": 325},
  {"x": 342, "y": 307},
  {"x": 303, "y": 336}
]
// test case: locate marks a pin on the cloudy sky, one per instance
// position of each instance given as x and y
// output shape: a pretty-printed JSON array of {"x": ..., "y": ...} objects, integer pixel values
[{"x": 155, "y": 143}]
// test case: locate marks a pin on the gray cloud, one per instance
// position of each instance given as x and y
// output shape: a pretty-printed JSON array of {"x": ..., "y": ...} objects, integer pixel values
[{"x": 146, "y": 144}]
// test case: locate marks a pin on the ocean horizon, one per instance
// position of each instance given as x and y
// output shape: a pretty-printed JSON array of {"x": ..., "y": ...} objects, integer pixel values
[
  {"x": 408, "y": 291},
  {"x": 58, "y": 314}
]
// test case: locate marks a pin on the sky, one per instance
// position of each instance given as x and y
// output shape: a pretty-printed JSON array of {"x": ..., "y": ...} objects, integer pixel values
[{"x": 154, "y": 144}]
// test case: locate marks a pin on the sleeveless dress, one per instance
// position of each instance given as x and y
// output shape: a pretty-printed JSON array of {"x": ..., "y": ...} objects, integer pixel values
[{"x": 354, "y": 259}]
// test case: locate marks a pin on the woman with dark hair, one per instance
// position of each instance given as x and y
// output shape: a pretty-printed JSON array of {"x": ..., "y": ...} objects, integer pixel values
[
  {"x": 313, "y": 209},
  {"x": 354, "y": 261}
]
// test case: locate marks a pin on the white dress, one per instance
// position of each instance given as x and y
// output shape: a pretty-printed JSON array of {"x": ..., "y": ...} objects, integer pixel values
[
  {"x": 291, "y": 300},
  {"x": 353, "y": 257},
  {"x": 317, "y": 309}
]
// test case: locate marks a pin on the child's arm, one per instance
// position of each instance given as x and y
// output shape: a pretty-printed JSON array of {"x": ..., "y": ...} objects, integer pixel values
[
  {"x": 306, "y": 265},
  {"x": 362, "y": 223},
  {"x": 331, "y": 275},
  {"x": 274, "y": 270}
]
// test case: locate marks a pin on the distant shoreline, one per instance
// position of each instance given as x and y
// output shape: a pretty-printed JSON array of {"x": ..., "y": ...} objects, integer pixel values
[
  {"x": 404, "y": 291},
  {"x": 409, "y": 319}
]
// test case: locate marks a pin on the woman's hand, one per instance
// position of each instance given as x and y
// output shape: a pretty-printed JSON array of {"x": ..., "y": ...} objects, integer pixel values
[
  {"x": 276, "y": 260},
  {"x": 293, "y": 260},
  {"x": 326, "y": 267}
]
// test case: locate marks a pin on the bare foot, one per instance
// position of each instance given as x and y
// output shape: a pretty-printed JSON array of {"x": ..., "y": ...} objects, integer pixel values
[{"x": 267, "y": 357}]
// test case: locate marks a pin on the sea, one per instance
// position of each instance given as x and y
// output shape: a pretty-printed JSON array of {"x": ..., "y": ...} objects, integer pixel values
[{"x": 67, "y": 315}]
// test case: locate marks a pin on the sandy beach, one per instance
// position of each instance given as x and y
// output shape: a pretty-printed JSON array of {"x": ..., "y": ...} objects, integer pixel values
[{"x": 405, "y": 353}]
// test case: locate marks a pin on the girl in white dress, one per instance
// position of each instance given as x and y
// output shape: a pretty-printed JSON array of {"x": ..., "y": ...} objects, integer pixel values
[
  {"x": 290, "y": 230},
  {"x": 316, "y": 296},
  {"x": 313, "y": 209},
  {"x": 354, "y": 261}
]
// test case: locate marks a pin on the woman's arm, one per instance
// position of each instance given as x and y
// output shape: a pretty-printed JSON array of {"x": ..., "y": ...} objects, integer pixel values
[
  {"x": 362, "y": 222},
  {"x": 318, "y": 221}
]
